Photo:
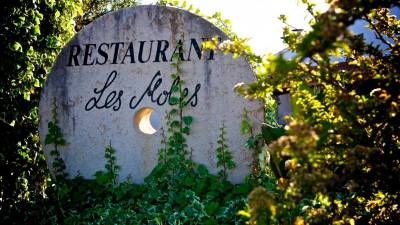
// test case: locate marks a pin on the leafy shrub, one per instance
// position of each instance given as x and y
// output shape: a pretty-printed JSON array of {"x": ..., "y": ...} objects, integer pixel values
[
  {"x": 32, "y": 33},
  {"x": 339, "y": 159}
]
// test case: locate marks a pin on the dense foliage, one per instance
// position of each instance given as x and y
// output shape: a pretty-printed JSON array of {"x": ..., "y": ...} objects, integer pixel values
[
  {"x": 171, "y": 194},
  {"x": 32, "y": 33},
  {"x": 95, "y": 8},
  {"x": 341, "y": 151}
]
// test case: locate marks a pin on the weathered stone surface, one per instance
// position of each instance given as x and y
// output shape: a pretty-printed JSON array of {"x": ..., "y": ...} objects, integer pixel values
[{"x": 120, "y": 64}]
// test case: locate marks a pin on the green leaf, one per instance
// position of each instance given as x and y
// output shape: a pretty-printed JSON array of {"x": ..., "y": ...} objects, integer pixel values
[
  {"x": 16, "y": 47},
  {"x": 30, "y": 51},
  {"x": 186, "y": 130},
  {"x": 188, "y": 181},
  {"x": 60, "y": 141},
  {"x": 230, "y": 164},
  {"x": 36, "y": 29},
  {"x": 27, "y": 95},
  {"x": 271, "y": 133},
  {"x": 242, "y": 189},
  {"x": 211, "y": 207},
  {"x": 182, "y": 105},
  {"x": 36, "y": 83},
  {"x": 175, "y": 123},
  {"x": 244, "y": 127},
  {"x": 250, "y": 143},
  {"x": 187, "y": 120},
  {"x": 202, "y": 170},
  {"x": 173, "y": 111},
  {"x": 377, "y": 76},
  {"x": 174, "y": 88},
  {"x": 173, "y": 100}
]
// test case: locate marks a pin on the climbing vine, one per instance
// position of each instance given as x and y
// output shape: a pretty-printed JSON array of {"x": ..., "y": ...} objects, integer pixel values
[
  {"x": 55, "y": 138},
  {"x": 224, "y": 156},
  {"x": 175, "y": 149}
]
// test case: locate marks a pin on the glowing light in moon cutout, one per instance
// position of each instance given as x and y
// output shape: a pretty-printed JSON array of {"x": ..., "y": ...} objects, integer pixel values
[{"x": 146, "y": 120}]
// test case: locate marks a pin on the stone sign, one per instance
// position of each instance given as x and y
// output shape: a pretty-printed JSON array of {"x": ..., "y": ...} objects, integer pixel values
[{"x": 111, "y": 84}]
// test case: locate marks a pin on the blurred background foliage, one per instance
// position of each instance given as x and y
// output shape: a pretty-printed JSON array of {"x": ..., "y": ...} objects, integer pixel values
[{"x": 341, "y": 150}]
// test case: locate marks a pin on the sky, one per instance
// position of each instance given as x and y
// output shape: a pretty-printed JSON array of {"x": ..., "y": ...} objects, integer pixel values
[{"x": 258, "y": 19}]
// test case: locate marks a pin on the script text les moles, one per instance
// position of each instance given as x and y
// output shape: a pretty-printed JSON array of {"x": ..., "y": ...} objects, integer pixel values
[{"x": 107, "y": 97}]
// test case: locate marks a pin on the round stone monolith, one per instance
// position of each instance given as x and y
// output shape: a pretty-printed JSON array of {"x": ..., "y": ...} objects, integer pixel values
[{"x": 111, "y": 85}]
